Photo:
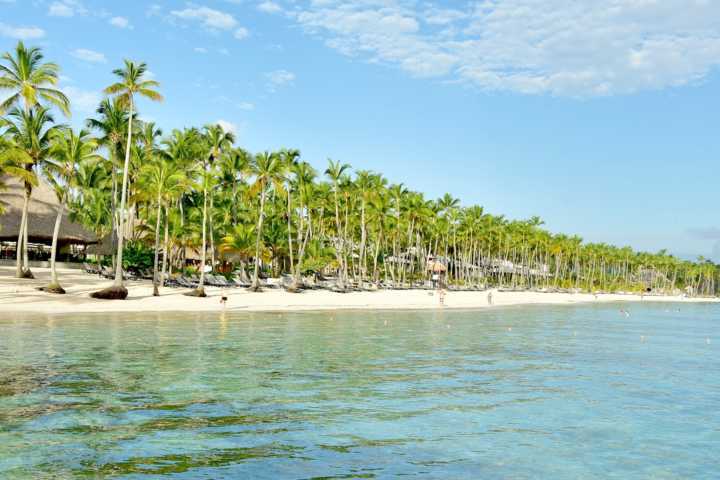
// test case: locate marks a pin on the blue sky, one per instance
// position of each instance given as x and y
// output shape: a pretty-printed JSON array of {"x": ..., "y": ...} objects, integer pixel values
[{"x": 598, "y": 116}]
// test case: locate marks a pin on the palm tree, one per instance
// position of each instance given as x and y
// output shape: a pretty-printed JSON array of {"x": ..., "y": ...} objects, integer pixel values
[
  {"x": 31, "y": 132},
  {"x": 12, "y": 164},
  {"x": 112, "y": 123},
  {"x": 335, "y": 172},
  {"x": 269, "y": 170},
  {"x": 160, "y": 181},
  {"x": 30, "y": 80},
  {"x": 132, "y": 82},
  {"x": 218, "y": 141},
  {"x": 240, "y": 242},
  {"x": 68, "y": 151}
]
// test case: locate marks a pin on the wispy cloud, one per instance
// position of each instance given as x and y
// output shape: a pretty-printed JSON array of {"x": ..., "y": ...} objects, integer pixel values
[
  {"x": 227, "y": 126},
  {"x": 269, "y": 7},
  {"x": 247, "y": 106},
  {"x": 83, "y": 101},
  {"x": 66, "y": 8},
  {"x": 120, "y": 22},
  {"x": 279, "y": 78},
  {"x": 21, "y": 32},
  {"x": 87, "y": 55},
  {"x": 561, "y": 47},
  {"x": 200, "y": 50},
  {"x": 241, "y": 33},
  {"x": 208, "y": 17}
]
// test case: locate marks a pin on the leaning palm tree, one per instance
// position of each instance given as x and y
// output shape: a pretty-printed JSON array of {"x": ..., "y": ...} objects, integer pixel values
[
  {"x": 30, "y": 80},
  {"x": 160, "y": 181},
  {"x": 31, "y": 132},
  {"x": 269, "y": 170},
  {"x": 69, "y": 150},
  {"x": 132, "y": 82},
  {"x": 111, "y": 123}
]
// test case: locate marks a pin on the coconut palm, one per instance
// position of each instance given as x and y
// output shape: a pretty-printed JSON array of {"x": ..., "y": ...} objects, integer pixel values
[
  {"x": 68, "y": 151},
  {"x": 132, "y": 82},
  {"x": 160, "y": 180},
  {"x": 218, "y": 141},
  {"x": 335, "y": 172},
  {"x": 111, "y": 123},
  {"x": 269, "y": 171},
  {"x": 30, "y": 80},
  {"x": 31, "y": 132},
  {"x": 12, "y": 164}
]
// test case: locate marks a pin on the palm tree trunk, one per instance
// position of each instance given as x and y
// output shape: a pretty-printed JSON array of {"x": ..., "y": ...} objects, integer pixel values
[
  {"x": 21, "y": 236},
  {"x": 258, "y": 236},
  {"x": 54, "y": 286},
  {"x": 341, "y": 244},
  {"x": 156, "y": 291},
  {"x": 165, "y": 246},
  {"x": 123, "y": 199},
  {"x": 289, "y": 224},
  {"x": 204, "y": 243},
  {"x": 211, "y": 232}
]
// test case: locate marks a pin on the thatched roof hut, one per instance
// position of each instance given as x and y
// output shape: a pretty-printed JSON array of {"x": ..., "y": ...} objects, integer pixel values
[{"x": 42, "y": 212}]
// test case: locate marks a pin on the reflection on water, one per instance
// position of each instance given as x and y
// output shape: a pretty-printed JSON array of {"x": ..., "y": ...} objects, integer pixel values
[{"x": 553, "y": 392}]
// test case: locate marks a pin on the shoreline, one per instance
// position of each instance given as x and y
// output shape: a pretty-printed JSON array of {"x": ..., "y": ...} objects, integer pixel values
[{"x": 18, "y": 295}]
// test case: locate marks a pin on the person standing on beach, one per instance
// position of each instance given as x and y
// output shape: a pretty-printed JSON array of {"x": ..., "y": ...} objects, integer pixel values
[
  {"x": 441, "y": 295},
  {"x": 490, "y": 298},
  {"x": 223, "y": 299}
]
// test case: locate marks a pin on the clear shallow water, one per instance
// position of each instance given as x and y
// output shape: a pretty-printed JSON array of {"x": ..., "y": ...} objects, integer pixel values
[{"x": 568, "y": 392}]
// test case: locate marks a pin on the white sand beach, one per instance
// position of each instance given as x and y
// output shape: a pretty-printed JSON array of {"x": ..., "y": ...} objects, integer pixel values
[{"x": 18, "y": 295}]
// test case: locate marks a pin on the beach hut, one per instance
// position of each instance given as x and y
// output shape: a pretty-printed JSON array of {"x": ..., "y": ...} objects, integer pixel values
[{"x": 42, "y": 212}]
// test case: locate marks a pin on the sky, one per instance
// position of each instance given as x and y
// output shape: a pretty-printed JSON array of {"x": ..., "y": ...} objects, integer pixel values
[{"x": 599, "y": 116}]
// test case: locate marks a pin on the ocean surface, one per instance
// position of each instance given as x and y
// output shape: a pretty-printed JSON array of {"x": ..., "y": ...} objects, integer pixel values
[{"x": 511, "y": 393}]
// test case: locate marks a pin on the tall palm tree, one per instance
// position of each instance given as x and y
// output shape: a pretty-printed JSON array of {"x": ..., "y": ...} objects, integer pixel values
[
  {"x": 68, "y": 151},
  {"x": 335, "y": 172},
  {"x": 30, "y": 80},
  {"x": 269, "y": 170},
  {"x": 111, "y": 123},
  {"x": 160, "y": 181},
  {"x": 219, "y": 141},
  {"x": 31, "y": 132},
  {"x": 132, "y": 83}
]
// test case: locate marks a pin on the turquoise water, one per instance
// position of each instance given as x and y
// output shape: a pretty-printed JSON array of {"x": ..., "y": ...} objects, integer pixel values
[{"x": 517, "y": 393}]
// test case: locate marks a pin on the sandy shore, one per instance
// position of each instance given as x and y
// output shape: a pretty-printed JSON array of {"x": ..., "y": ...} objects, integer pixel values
[{"x": 21, "y": 296}]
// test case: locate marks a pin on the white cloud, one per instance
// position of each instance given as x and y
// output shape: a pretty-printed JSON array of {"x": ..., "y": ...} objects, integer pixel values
[
  {"x": 224, "y": 51},
  {"x": 66, "y": 8},
  {"x": 87, "y": 55},
  {"x": 208, "y": 17},
  {"x": 241, "y": 33},
  {"x": 269, "y": 7},
  {"x": 120, "y": 22},
  {"x": 21, "y": 33},
  {"x": 83, "y": 101},
  {"x": 246, "y": 106},
  {"x": 562, "y": 47},
  {"x": 200, "y": 50},
  {"x": 227, "y": 126},
  {"x": 279, "y": 78},
  {"x": 153, "y": 10}
]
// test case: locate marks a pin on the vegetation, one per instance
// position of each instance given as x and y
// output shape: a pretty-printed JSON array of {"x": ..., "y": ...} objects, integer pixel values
[{"x": 194, "y": 191}]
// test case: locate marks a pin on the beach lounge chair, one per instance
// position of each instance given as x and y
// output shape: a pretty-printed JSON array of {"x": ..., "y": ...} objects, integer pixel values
[{"x": 221, "y": 281}]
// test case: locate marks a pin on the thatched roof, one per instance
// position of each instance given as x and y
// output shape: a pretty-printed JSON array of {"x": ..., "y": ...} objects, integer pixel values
[
  {"x": 42, "y": 213},
  {"x": 103, "y": 247}
]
